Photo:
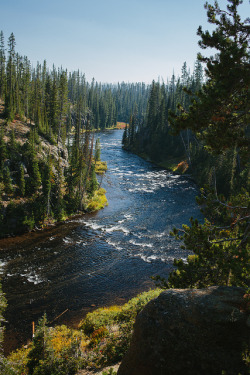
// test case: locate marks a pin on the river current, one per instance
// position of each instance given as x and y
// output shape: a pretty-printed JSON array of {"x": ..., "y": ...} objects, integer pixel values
[{"x": 98, "y": 259}]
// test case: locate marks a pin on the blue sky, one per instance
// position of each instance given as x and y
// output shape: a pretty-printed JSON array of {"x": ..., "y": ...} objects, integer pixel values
[{"x": 110, "y": 40}]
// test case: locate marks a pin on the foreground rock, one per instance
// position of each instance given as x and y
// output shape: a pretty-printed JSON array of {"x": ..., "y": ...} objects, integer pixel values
[{"x": 191, "y": 332}]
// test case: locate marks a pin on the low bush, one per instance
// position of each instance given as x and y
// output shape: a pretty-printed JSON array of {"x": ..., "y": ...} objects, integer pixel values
[
  {"x": 98, "y": 201},
  {"x": 101, "y": 167},
  {"x": 102, "y": 340}
]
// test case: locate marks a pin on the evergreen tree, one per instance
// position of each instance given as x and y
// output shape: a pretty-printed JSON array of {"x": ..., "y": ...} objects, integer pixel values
[
  {"x": 93, "y": 183},
  {"x": 97, "y": 156},
  {"x": 26, "y": 87},
  {"x": 38, "y": 353},
  {"x": 63, "y": 95},
  {"x": 8, "y": 186},
  {"x": 35, "y": 176},
  {"x": 60, "y": 188},
  {"x": 21, "y": 181},
  {"x": 221, "y": 244},
  {"x": 125, "y": 137},
  {"x": 13, "y": 144},
  {"x": 220, "y": 116},
  {"x": 2, "y": 67},
  {"x": 10, "y": 79},
  {"x": 3, "y": 149},
  {"x": 47, "y": 186}
]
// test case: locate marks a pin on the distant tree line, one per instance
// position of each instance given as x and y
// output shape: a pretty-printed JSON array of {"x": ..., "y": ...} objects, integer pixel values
[{"x": 152, "y": 135}]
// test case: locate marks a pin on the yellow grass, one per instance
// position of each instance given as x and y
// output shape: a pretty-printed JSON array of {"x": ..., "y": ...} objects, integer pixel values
[{"x": 98, "y": 201}]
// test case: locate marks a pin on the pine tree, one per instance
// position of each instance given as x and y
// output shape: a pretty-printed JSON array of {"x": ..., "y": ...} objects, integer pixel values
[
  {"x": 3, "y": 149},
  {"x": 125, "y": 137},
  {"x": 220, "y": 244},
  {"x": 184, "y": 74},
  {"x": 35, "y": 180},
  {"x": 8, "y": 186},
  {"x": 10, "y": 79},
  {"x": 47, "y": 186},
  {"x": 97, "y": 156},
  {"x": 93, "y": 183},
  {"x": 2, "y": 67},
  {"x": 63, "y": 95},
  {"x": 38, "y": 353},
  {"x": 21, "y": 181},
  {"x": 26, "y": 87},
  {"x": 220, "y": 116},
  {"x": 60, "y": 188}
]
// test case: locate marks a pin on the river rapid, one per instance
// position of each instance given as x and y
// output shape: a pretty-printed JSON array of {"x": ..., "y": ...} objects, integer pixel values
[{"x": 102, "y": 258}]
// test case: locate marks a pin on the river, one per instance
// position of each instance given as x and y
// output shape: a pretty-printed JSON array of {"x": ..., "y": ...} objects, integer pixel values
[{"x": 98, "y": 259}]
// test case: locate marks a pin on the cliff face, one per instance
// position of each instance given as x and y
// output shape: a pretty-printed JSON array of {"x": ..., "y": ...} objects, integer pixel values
[{"x": 190, "y": 332}]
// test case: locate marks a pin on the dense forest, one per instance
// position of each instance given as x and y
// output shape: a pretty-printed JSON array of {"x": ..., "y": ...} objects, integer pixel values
[
  {"x": 152, "y": 135},
  {"x": 196, "y": 124},
  {"x": 211, "y": 124},
  {"x": 48, "y": 155}
]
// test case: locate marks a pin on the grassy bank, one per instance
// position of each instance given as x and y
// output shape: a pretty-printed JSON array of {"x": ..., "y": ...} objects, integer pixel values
[{"x": 101, "y": 340}]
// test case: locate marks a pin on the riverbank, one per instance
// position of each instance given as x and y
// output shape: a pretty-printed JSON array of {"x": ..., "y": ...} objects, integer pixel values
[
  {"x": 100, "y": 258},
  {"x": 176, "y": 165},
  {"x": 42, "y": 181},
  {"x": 101, "y": 339},
  {"x": 97, "y": 202}
]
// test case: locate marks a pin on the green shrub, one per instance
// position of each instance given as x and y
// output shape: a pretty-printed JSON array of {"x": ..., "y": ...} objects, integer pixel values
[
  {"x": 131, "y": 309},
  {"x": 98, "y": 201},
  {"x": 102, "y": 340},
  {"x": 109, "y": 372},
  {"x": 101, "y": 167},
  {"x": 101, "y": 317}
]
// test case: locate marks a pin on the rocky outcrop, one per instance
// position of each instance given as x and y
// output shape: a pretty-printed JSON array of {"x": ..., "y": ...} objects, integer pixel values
[
  {"x": 191, "y": 332},
  {"x": 57, "y": 153}
]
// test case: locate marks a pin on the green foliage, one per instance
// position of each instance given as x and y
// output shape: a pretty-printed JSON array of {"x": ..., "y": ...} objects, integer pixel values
[
  {"x": 35, "y": 180},
  {"x": 29, "y": 221},
  {"x": 97, "y": 156},
  {"x": 4, "y": 364},
  {"x": 101, "y": 167},
  {"x": 151, "y": 136},
  {"x": 8, "y": 186},
  {"x": 109, "y": 372},
  {"x": 53, "y": 352},
  {"x": 102, "y": 340},
  {"x": 54, "y": 104},
  {"x": 220, "y": 118},
  {"x": 21, "y": 181},
  {"x": 93, "y": 183},
  {"x": 110, "y": 330},
  {"x": 132, "y": 308},
  {"x": 3, "y": 149},
  {"x": 98, "y": 201},
  {"x": 125, "y": 137},
  {"x": 18, "y": 360},
  {"x": 99, "y": 318}
]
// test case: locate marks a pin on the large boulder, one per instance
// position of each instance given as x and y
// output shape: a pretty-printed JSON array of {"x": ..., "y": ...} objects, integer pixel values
[{"x": 191, "y": 332}]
